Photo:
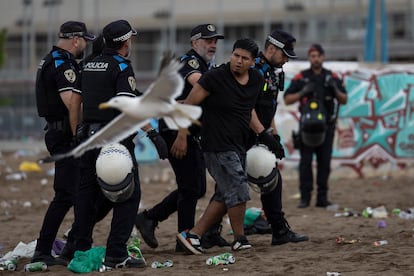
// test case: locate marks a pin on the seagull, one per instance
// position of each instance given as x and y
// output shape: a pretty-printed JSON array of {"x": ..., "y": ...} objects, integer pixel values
[{"x": 158, "y": 101}]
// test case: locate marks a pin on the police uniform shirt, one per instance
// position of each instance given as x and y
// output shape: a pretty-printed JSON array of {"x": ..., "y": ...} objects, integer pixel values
[
  {"x": 61, "y": 75},
  {"x": 266, "y": 104},
  {"x": 106, "y": 76},
  {"x": 227, "y": 109},
  {"x": 192, "y": 63}
]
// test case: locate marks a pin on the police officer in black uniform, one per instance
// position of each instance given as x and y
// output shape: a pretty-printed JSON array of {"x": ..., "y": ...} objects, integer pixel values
[
  {"x": 107, "y": 75},
  {"x": 322, "y": 84},
  {"x": 185, "y": 155},
  {"x": 279, "y": 47},
  {"x": 57, "y": 79}
]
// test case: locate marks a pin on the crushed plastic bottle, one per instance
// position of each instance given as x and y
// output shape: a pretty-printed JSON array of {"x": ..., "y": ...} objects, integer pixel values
[
  {"x": 406, "y": 215},
  {"x": 333, "y": 273},
  {"x": 379, "y": 212},
  {"x": 332, "y": 207},
  {"x": 345, "y": 214},
  {"x": 16, "y": 176}
]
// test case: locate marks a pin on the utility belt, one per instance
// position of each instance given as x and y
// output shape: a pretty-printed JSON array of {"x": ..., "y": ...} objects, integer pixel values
[
  {"x": 86, "y": 130},
  {"x": 57, "y": 125}
]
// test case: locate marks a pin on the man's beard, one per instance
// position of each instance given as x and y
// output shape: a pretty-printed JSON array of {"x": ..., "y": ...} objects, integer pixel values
[
  {"x": 80, "y": 55},
  {"x": 128, "y": 55}
]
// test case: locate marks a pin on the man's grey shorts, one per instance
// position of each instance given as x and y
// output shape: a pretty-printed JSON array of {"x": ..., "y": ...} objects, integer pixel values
[{"x": 228, "y": 170}]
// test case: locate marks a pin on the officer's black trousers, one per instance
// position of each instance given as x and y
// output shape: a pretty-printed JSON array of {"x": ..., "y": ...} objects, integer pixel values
[
  {"x": 272, "y": 204},
  {"x": 65, "y": 185},
  {"x": 90, "y": 198},
  {"x": 323, "y": 159},
  {"x": 190, "y": 173}
]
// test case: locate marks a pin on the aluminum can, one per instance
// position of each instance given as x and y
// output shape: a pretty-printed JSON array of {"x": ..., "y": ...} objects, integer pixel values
[
  {"x": 9, "y": 265},
  {"x": 166, "y": 263},
  {"x": 225, "y": 258},
  {"x": 37, "y": 266}
]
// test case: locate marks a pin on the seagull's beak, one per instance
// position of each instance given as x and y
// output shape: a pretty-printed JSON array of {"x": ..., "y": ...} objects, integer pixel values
[{"x": 104, "y": 106}]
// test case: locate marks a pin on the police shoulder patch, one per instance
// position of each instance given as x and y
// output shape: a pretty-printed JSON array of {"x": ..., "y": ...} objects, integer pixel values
[
  {"x": 132, "y": 82},
  {"x": 70, "y": 75},
  {"x": 193, "y": 63}
]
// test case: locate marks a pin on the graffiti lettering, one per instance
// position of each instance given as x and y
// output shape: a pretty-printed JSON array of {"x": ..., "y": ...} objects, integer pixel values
[{"x": 407, "y": 146}]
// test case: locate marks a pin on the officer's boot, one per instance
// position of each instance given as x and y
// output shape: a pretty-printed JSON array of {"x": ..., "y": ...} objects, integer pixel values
[
  {"x": 304, "y": 200},
  {"x": 283, "y": 234},
  {"x": 322, "y": 199}
]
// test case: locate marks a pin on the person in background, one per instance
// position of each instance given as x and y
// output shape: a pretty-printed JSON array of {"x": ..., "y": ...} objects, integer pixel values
[
  {"x": 185, "y": 155},
  {"x": 57, "y": 79},
  {"x": 323, "y": 85}
]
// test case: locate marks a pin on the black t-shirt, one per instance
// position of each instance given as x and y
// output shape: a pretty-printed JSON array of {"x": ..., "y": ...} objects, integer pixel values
[{"x": 227, "y": 110}]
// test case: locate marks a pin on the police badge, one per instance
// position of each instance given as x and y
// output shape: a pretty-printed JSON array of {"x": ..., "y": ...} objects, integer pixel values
[
  {"x": 70, "y": 75},
  {"x": 193, "y": 63},
  {"x": 132, "y": 83}
]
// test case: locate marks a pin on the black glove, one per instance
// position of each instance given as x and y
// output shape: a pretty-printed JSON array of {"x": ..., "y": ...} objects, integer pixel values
[
  {"x": 267, "y": 139},
  {"x": 159, "y": 143},
  {"x": 280, "y": 154},
  {"x": 331, "y": 83},
  {"x": 307, "y": 89}
]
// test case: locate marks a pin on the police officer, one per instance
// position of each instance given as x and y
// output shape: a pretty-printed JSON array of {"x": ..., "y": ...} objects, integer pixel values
[
  {"x": 278, "y": 48},
  {"x": 107, "y": 75},
  {"x": 318, "y": 83},
  {"x": 57, "y": 79},
  {"x": 185, "y": 155}
]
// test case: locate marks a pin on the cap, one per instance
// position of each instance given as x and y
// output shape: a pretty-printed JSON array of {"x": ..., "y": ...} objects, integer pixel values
[
  {"x": 71, "y": 29},
  {"x": 119, "y": 30},
  {"x": 205, "y": 31},
  {"x": 284, "y": 41},
  {"x": 316, "y": 47}
]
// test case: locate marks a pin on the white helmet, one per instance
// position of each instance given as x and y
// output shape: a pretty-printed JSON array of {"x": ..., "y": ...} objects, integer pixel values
[
  {"x": 262, "y": 171},
  {"x": 114, "y": 172}
]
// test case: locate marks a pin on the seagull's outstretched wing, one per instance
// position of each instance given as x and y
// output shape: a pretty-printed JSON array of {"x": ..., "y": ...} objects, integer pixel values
[
  {"x": 166, "y": 88},
  {"x": 168, "y": 85},
  {"x": 118, "y": 129}
]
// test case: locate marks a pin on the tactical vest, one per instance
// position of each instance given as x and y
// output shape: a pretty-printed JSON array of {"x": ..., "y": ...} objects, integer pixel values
[
  {"x": 267, "y": 100},
  {"x": 98, "y": 86}
]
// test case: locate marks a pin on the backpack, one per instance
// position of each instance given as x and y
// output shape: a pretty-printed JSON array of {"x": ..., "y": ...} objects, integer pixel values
[{"x": 313, "y": 123}]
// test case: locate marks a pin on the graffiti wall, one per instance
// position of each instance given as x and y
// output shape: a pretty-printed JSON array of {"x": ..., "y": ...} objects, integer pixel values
[{"x": 375, "y": 128}]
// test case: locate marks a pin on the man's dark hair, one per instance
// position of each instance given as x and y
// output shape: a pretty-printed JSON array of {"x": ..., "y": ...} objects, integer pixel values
[{"x": 247, "y": 44}]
